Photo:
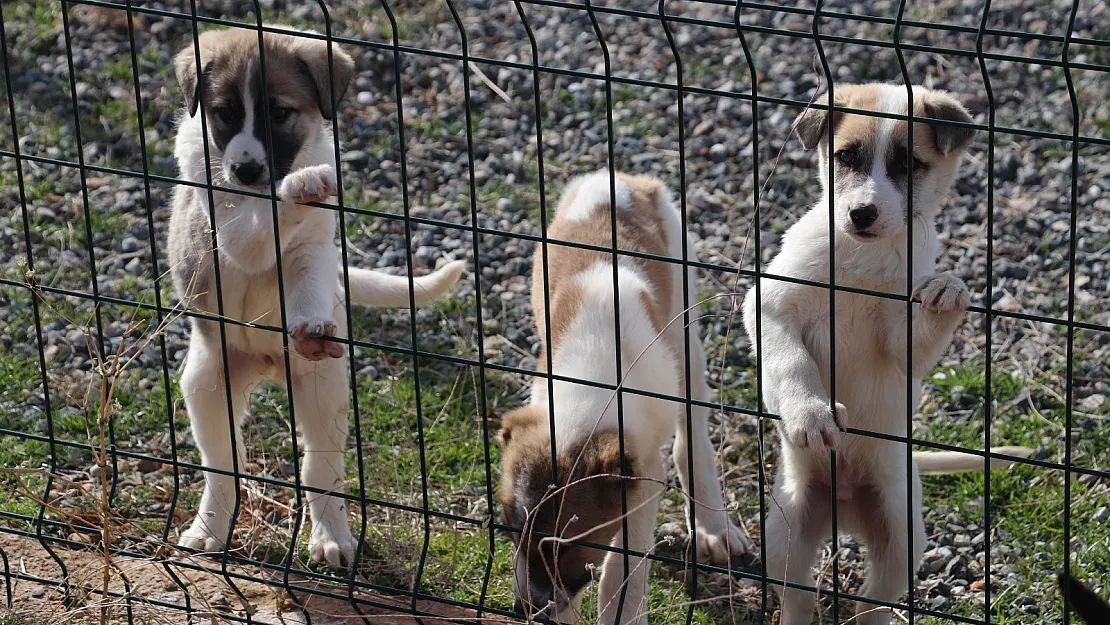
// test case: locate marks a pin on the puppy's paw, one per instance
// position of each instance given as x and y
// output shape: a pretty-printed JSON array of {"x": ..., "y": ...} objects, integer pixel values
[
  {"x": 310, "y": 338},
  {"x": 719, "y": 540},
  {"x": 811, "y": 425},
  {"x": 200, "y": 537},
  {"x": 334, "y": 548},
  {"x": 309, "y": 184},
  {"x": 943, "y": 293}
]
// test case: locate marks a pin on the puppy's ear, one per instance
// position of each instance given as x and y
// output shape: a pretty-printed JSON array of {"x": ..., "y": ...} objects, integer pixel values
[
  {"x": 313, "y": 54},
  {"x": 523, "y": 417},
  {"x": 813, "y": 124},
  {"x": 949, "y": 139},
  {"x": 185, "y": 66}
]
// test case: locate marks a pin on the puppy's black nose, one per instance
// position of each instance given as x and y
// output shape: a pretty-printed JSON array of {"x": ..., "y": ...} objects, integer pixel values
[
  {"x": 863, "y": 216},
  {"x": 247, "y": 172}
]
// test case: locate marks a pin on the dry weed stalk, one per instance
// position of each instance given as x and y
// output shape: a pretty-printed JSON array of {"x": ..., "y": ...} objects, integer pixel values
[{"x": 108, "y": 369}]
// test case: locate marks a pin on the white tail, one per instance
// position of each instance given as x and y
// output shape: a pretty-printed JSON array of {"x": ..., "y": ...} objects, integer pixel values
[
  {"x": 374, "y": 288},
  {"x": 943, "y": 462}
]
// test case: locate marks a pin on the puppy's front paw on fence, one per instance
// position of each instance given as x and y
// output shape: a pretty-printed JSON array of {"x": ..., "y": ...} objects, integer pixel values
[
  {"x": 309, "y": 184},
  {"x": 310, "y": 338},
  {"x": 811, "y": 425},
  {"x": 943, "y": 293}
]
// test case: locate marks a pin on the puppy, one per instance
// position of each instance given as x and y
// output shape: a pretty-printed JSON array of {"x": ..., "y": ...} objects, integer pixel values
[
  {"x": 1093, "y": 609},
  {"x": 870, "y": 214},
  {"x": 550, "y": 574},
  {"x": 300, "y": 105}
]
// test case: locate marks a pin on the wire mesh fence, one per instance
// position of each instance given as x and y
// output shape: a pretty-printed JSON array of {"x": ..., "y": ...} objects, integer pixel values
[{"x": 462, "y": 124}]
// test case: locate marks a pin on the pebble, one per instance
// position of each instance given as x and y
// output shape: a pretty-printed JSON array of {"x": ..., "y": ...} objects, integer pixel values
[
  {"x": 148, "y": 465},
  {"x": 220, "y": 603},
  {"x": 939, "y": 603},
  {"x": 356, "y": 158},
  {"x": 956, "y": 568}
]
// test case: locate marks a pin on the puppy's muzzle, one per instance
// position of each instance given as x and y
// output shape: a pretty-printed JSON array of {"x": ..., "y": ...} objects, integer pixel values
[
  {"x": 248, "y": 173},
  {"x": 863, "y": 217}
]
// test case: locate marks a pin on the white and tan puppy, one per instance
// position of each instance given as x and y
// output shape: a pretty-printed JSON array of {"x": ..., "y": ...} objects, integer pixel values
[
  {"x": 550, "y": 575},
  {"x": 229, "y": 90},
  {"x": 870, "y": 214}
]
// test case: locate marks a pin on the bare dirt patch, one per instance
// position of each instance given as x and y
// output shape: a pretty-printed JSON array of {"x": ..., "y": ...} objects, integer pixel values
[{"x": 153, "y": 593}]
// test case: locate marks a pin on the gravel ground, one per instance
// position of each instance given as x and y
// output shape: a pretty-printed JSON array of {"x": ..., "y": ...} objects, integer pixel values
[{"x": 1030, "y": 216}]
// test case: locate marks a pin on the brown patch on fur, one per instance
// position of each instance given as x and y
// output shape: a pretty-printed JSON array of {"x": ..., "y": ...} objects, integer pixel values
[
  {"x": 812, "y": 125},
  {"x": 589, "y": 506},
  {"x": 590, "y": 467},
  {"x": 932, "y": 142},
  {"x": 296, "y": 68},
  {"x": 944, "y": 141},
  {"x": 519, "y": 418},
  {"x": 639, "y": 229}
]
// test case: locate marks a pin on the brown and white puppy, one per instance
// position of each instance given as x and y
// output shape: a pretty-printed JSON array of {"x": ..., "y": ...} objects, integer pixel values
[
  {"x": 299, "y": 105},
  {"x": 870, "y": 214},
  {"x": 550, "y": 574}
]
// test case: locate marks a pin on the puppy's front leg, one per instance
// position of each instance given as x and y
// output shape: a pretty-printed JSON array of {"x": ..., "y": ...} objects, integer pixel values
[
  {"x": 311, "y": 298},
  {"x": 643, "y": 508},
  {"x": 793, "y": 385},
  {"x": 944, "y": 298},
  {"x": 315, "y": 183}
]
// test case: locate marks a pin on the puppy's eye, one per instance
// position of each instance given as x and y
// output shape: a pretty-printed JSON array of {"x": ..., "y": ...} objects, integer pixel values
[
  {"x": 918, "y": 165},
  {"x": 225, "y": 114},
  {"x": 280, "y": 114},
  {"x": 847, "y": 157}
]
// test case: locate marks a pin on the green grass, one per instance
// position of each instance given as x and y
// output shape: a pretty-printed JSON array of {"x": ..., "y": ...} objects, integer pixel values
[
  {"x": 1025, "y": 503},
  {"x": 409, "y": 22},
  {"x": 455, "y": 471},
  {"x": 42, "y": 18}
]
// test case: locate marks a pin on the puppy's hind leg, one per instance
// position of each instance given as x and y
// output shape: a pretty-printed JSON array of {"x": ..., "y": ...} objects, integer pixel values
[
  {"x": 798, "y": 521},
  {"x": 716, "y": 536},
  {"x": 883, "y": 524},
  {"x": 320, "y": 399},
  {"x": 206, "y": 400}
]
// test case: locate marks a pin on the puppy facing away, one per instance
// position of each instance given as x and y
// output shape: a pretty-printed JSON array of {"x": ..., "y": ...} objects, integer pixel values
[
  {"x": 1093, "y": 609},
  {"x": 870, "y": 214},
  {"x": 229, "y": 90},
  {"x": 550, "y": 574}
]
